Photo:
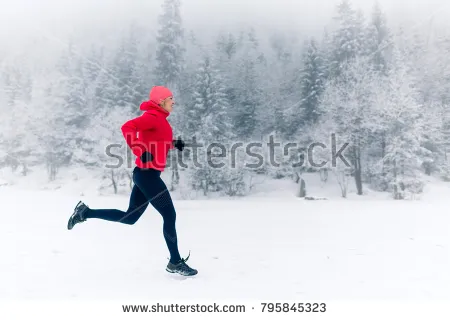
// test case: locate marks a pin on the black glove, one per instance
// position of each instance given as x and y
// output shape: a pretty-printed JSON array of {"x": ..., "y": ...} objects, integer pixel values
[
  {"x": 146, "y": 156},
  {"x": 179, "y": 144}
]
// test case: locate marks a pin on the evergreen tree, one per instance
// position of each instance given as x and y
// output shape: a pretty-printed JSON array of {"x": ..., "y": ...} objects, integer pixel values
[
  {"x": 104, "y": 150},
  {"x": 130, "y": 89},
  {"x": 209, "y": 123},
  {"x": 246, "y": 96},
  {"x": 379, "y": 43},
  {"x": 347, "y": 38},
  {"x": 170, "y": 49},
  {"x": 405, "y": 127},
  {"x": 17, "y": 138},
  {"x": 311, "y": 84},
  {"x": 349, "y": 103},
  {"x": 227, "y": 44},
  {"x": 72, "y": 90},
  {"x": 169, "y": 69},
  {"x": 57, "y": 138}
]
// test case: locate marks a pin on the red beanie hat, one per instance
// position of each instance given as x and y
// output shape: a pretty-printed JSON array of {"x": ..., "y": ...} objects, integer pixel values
[{"x": 159, "y": 93}]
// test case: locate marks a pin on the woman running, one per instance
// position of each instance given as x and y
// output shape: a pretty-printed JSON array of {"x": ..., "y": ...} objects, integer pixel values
[{"x": 150, "y": 138}]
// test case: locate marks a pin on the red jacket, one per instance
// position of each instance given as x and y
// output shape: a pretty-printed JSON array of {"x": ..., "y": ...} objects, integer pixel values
[{"x": 150, "y": 132}]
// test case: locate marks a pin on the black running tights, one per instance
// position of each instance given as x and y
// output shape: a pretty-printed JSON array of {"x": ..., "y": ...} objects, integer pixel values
[{"x": 148, "y": 188}]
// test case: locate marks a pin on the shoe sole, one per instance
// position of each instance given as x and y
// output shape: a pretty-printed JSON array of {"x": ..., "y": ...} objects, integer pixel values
[
  {"x": 184, "y": 275},
  {"x": 70, "y": 224}
]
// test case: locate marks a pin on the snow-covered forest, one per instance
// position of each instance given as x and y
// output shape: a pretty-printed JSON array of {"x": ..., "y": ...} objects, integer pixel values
[{"x": 383, "y": 90}]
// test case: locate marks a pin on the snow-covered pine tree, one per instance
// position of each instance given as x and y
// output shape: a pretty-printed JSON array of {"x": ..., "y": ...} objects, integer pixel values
[
  {"x": 169, "y": 69},
  {"x": 104, "y": 145},
  {"x": 143, "y": 72},
  {"x": 326, "y": 48},
  {"x": 272, "y": 114},
  {"x": 10, "y": 133},
  {"x": 130, "y": 89},
  {"x": 377, "y": 49},
  {"x": 435, "y": 135},
  {"x": 105, "y": 86},
  {"x": 442, "y": 98},
  {"x": 92, "y": 66},
  {"x": 378, "y": 44},
  {"x": 65, "y": 111},
  {"x": 347, "y": 37},
  {"x": 72, "y": 90},
  {"x": 225, "y": 51},
  {"x": 411, "y": 44},
  {"x": 311, "y": 84},
  {"x": 429, "y": 68},
  {"x": 227, "y": 44},
  {"x": 247, "y": 96},
  {"x": 300, "y": 101},
  {"x": 350, "y": 101},
  {"x": 170, "y": 45},
  {"x": 142, "y": 66},
  {"x": 209, "y": 122},
  {"x": 56, "y": 137},
  {"x": 92, "y": 70},
  {"x": 18, "y": 141},
  {"x": 201, "y": 100},
  {"x": 405, "y": 126},
  {"x": 444, "y": 146}
]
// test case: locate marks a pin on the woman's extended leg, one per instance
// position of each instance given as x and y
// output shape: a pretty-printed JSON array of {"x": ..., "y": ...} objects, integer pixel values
[{"x": 138, "y": 204}]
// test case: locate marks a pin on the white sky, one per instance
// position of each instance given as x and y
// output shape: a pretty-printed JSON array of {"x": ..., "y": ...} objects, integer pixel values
[{"x": 22, "y": 19}]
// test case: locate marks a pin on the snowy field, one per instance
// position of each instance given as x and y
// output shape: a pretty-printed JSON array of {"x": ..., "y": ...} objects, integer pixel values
[{"x": 269, "y": 246}]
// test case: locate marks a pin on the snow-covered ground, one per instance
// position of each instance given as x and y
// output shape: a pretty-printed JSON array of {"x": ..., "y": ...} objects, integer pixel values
[{"x": 260, "y": 247}]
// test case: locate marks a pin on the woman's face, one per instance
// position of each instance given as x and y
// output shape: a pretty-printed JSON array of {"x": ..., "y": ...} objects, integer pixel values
[{"x": 168, "y": 104}]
